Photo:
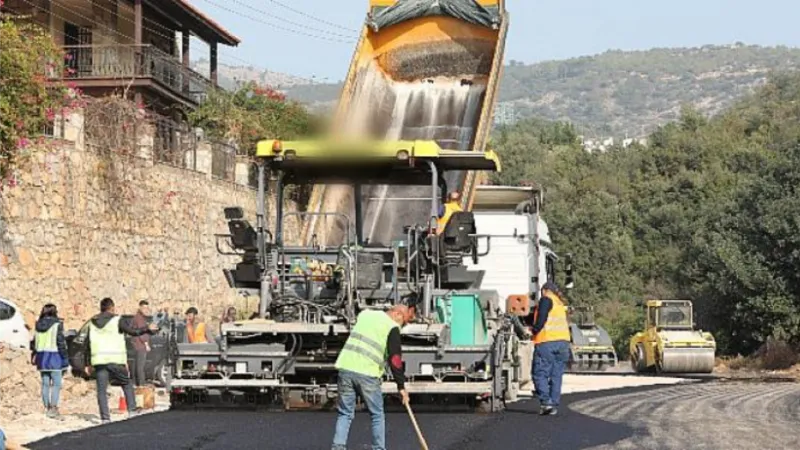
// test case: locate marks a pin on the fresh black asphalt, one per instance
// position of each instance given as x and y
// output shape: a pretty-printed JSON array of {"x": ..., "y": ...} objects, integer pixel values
[{"x": 518, "y": 427}]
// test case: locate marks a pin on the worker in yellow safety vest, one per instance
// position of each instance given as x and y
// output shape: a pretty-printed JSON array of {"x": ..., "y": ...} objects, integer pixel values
[
  {"x": 452, "y": 206},
  {"x": 108, "y": 355},
  {"x": 50, "y": 356},
  {"x": 551, "y": 339},
  {"x": 196, "y": 331},
  {"x": 373, "y": 342}
]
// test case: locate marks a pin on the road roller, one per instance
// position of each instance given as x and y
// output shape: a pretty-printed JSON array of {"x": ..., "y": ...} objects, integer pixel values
[
  {"x": 591, "y": 348},
  {"x": 670, "y": 342}
]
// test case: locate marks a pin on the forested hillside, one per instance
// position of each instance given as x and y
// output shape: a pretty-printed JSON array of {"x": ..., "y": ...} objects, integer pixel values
[
  {"x": 709, "y": 211},
  {"x": 622, "y": 92}
]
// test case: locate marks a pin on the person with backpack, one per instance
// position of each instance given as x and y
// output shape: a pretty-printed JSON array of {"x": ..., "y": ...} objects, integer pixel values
[{"x": 50, "y": 356}]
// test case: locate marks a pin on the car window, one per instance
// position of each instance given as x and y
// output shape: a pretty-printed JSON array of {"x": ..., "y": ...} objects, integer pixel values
[
  {"x": 6, "y": 311},
  {"x": 83, "y": 333}
]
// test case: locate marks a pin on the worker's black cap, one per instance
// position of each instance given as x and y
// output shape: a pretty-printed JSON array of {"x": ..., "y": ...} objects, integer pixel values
[{"x": 550, "y": 286}]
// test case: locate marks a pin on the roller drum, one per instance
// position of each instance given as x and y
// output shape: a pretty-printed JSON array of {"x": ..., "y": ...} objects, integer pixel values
[{"x": 687, "y": 360}]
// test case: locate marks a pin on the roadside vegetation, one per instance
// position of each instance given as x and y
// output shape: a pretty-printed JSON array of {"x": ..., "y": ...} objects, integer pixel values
[
  {"x": 28, "y": 101},
  {"x": 708, "y": 212},
  {"x": 251, "y": 113}
]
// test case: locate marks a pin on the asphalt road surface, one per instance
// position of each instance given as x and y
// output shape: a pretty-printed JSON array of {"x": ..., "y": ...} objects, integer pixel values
[{"x": 712, "y": 415}]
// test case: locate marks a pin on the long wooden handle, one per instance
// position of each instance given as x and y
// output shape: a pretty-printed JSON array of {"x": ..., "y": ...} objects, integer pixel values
[{"x": 416, "y": 427}]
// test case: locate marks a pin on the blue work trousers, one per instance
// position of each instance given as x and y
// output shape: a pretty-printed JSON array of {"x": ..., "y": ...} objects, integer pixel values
[
  {"x": 368, "y": 388},
  {"x": 549, "y": 362},
  {"x": 51, "y": 387}
]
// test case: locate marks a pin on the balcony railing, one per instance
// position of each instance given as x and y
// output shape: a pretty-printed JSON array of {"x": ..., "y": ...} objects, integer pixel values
[{"x": 128, "y": 62}]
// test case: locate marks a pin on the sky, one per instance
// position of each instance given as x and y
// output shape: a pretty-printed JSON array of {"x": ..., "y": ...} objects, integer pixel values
[{"x": 316, "y": 38}]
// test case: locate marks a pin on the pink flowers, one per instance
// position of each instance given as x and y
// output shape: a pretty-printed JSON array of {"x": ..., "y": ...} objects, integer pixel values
[
  {"x": 269, "y": 93},
  {"x": 23, "y": 142}
]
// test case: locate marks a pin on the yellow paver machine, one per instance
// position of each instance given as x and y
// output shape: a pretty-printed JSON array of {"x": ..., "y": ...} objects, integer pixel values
[{"x": 411, "y": 126}]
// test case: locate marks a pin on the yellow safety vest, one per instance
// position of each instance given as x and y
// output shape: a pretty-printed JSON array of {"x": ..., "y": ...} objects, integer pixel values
[
  {"x": 47, "y": 341},
  {"x": 107, "y": 344},
  {"x": 449, "y": 209},
  {"x": 365, "y": 349},
  {"x": 556, "y": 328},
  {"x": 197, "y": 333}
]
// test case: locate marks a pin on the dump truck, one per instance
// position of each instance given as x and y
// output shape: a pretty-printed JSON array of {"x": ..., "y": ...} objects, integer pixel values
[
  {"x": 422, "y": 70},
  {"x": 670, "y": 343},
  {"x": 458, "y": 348}
]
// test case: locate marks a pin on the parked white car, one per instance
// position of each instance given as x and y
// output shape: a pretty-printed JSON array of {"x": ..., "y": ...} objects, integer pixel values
[{"x": 13, "y": 332}]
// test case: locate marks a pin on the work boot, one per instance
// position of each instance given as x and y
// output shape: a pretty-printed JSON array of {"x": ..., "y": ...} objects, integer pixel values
[{"x": 53, "y": 413}]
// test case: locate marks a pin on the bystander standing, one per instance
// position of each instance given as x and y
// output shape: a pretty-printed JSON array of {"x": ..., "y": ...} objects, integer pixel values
[
  {"x": 50, "y": 356},
  {"x": 141, "y": 344}
]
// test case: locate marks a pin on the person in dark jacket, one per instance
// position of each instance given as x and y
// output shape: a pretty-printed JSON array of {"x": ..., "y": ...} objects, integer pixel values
[
  {"x": 108, "y": 356},
  {"x": 50, "y": 356},
  {"x": 551, "y": 339},
  {"x": 141, "y": 343}
]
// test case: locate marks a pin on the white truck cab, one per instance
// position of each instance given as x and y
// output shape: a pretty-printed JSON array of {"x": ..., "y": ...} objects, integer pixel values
[{"x": 521, "y": 257}]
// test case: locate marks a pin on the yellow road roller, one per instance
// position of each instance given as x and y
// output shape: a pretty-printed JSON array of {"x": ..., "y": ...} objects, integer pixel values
[{"x": 670, "y": 343}]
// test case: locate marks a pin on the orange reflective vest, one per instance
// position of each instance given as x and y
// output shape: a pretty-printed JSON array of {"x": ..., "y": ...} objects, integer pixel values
[
  {"x": 449, "y": 209},
  {"x": 196, "y": 333},
  {"x": 556, "y": 328}
]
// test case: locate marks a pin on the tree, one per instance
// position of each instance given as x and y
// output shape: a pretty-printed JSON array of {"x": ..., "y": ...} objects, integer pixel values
[
  {"x": 252, "y": 113},
  {"x": 708, "y": 211}
]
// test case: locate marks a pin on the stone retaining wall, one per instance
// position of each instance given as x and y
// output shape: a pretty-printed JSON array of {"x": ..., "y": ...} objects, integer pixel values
[{"x": 77, "y": 228}]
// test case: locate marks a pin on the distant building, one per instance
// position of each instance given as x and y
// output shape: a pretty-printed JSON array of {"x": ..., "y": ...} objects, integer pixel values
[
  {"x": 505, "y": 114},
  {"x": 604, "y": 144}
]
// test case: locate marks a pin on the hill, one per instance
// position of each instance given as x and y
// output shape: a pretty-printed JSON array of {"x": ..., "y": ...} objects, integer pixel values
[
  {"x": 614, "y": 93},
  {"x": 229, "y": 76},
  {"x": 619, "y": 92}
]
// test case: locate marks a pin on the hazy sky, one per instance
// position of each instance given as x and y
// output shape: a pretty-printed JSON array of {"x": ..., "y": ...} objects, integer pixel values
[{"x": 275, "y": 34}]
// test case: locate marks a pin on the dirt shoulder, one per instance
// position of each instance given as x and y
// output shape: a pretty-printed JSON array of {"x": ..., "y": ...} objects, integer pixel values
[{"x": 22, "y": 415}]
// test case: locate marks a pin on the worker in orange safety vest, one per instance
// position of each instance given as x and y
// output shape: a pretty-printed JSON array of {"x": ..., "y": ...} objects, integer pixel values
[
  {"x": 551, "y": 339},
  {"x": 196, "y": 331}
]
